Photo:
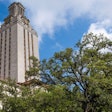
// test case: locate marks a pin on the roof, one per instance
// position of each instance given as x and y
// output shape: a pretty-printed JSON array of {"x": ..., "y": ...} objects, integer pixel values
[{"x": 32, "y": 81}]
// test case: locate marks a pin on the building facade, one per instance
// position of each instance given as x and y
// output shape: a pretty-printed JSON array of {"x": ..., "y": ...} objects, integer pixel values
[{"x": 18, "y": 41}]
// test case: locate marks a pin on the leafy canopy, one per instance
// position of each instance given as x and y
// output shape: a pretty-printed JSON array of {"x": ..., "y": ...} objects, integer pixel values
[{"x": 75, "y": 80}]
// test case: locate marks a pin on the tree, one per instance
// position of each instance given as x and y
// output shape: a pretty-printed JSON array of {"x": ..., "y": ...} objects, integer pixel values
[
  {"x": 87, "y": 69},
  {"x": 37, "y": 100},
  {"x": 75, "y": 80},
  {"x": 33, "y": 68}
]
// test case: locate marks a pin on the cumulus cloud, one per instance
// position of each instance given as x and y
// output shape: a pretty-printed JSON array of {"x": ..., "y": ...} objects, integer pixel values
[
  {"x": 101, "y": 28},
  {"x": 48, "y": 15},
  {"x": 104, "y": 28}
]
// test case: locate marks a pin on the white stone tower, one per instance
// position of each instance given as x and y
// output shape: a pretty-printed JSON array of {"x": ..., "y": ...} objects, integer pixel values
[{"x": 18, "y": 41}]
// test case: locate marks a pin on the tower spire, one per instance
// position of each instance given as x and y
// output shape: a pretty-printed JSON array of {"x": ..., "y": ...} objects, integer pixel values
[{"x": 16, "y": 9}]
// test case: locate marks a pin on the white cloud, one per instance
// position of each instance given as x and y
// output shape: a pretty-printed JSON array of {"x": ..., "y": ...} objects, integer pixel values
[
  {"x": 101, "y": 28},
  {"x": 47, "y": 15},
  {"x": 0, "y": 24},
  {"x": 101, "y": 9},
  {"x": 104, "y": 28}
]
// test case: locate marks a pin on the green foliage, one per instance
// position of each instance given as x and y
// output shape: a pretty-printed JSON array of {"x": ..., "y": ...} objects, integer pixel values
[
  {"x": 53, "y": 100},
  {"x": 77, "y": 80},
  {"x": 88, "y": 68},
  {"x": 33, "y": 68}
]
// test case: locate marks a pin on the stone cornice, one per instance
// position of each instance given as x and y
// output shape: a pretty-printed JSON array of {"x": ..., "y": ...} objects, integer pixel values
[{"x": 21, "y": 21}]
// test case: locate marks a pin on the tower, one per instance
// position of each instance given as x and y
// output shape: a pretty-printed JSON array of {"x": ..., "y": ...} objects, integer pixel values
[{"x": 18, "y": 41}]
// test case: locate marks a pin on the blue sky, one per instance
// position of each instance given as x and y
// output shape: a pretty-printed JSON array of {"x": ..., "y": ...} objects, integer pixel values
[{"x": 62, "y": 23}]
